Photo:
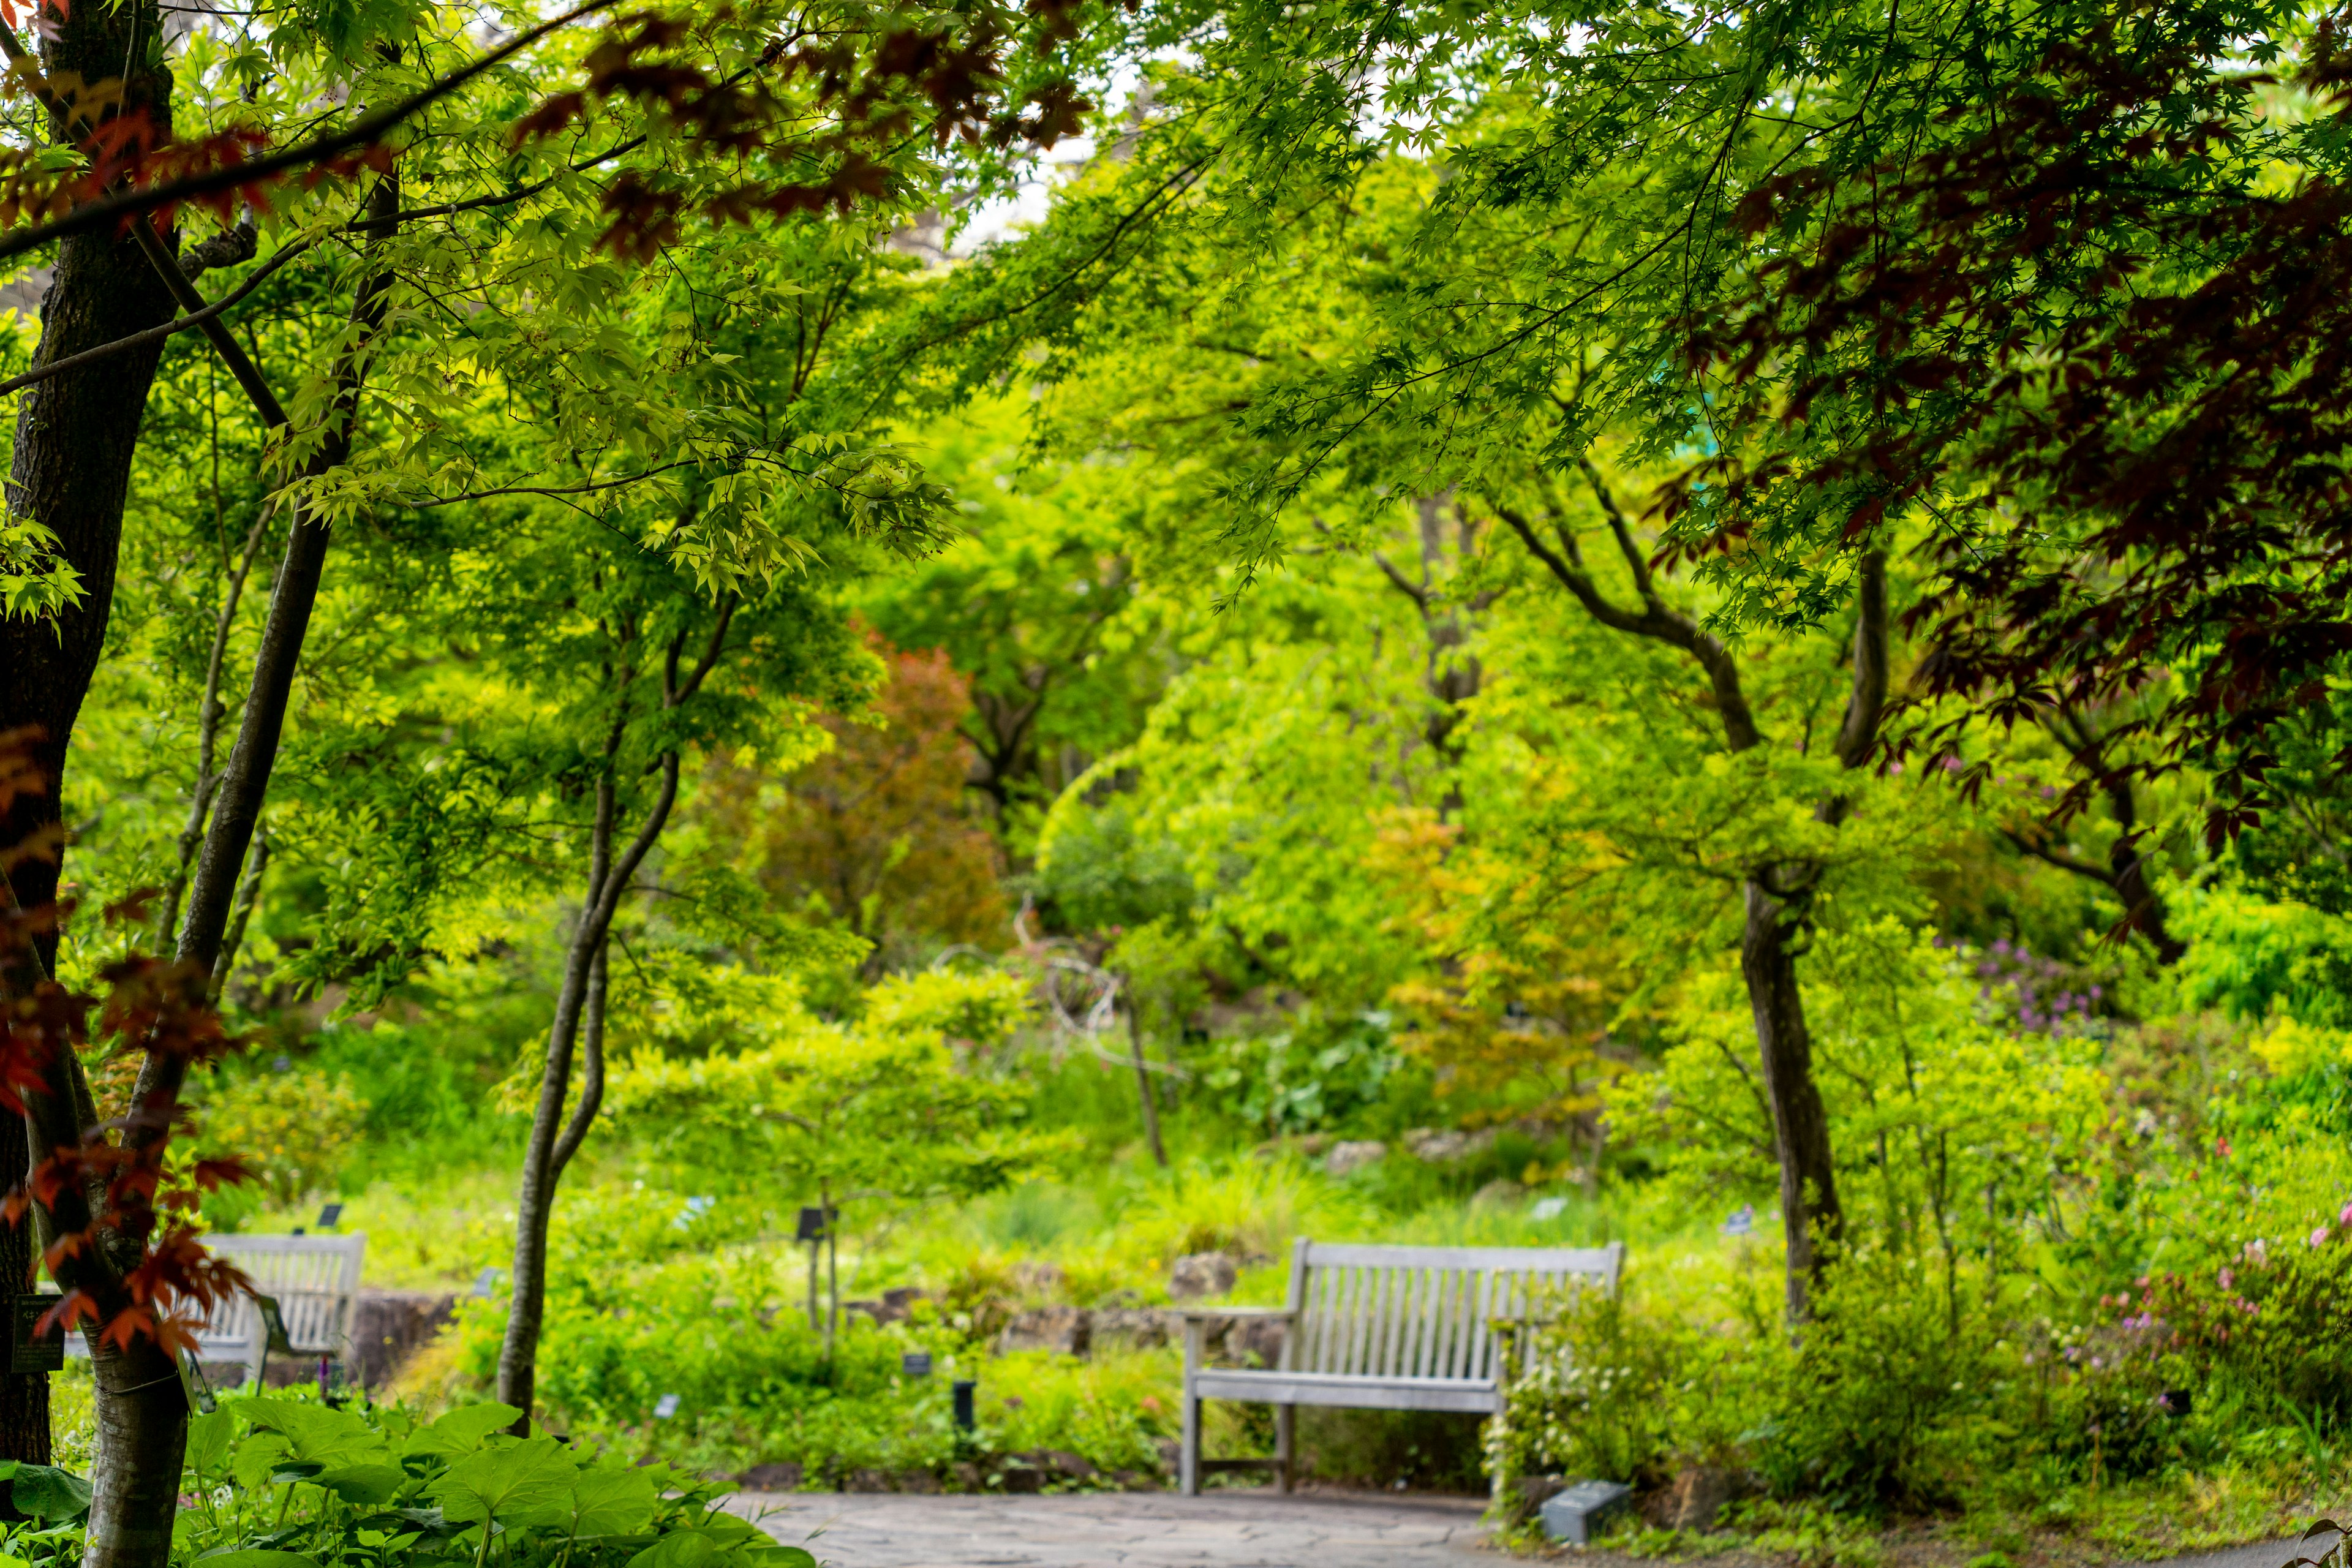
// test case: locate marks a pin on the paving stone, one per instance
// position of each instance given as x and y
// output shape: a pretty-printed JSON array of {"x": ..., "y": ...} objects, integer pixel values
[{"x": 1235, "y": 1529}]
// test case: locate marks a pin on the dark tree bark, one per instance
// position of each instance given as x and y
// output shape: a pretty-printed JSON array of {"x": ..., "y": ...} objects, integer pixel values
[
  {"x": 75, "y": 437},
  {"x": 24, "y": 1400}
]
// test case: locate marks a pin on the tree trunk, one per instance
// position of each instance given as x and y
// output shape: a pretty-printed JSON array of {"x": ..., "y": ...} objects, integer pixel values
[
  {"x": 535, "y": 1196},
  {"x": 1143, "y": 1079},
  {"x": 75, "y": 434},
  {"x": 553, "y": 1139},
  {"x": 24, "y": 1400},
  {"x": 1810, "y": 1217}
]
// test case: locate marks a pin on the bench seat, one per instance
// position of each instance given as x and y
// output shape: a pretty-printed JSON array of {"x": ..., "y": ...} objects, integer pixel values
[{"x": 1483, "y": 1396}]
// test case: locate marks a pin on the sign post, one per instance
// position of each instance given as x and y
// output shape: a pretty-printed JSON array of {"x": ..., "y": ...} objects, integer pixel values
[
  {"x": 812, "y": 1233},
  {"x": 30, "y": 1351}
]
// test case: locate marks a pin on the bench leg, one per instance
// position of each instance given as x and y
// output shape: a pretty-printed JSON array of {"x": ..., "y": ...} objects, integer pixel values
[
  {"x": 1188, "y": 1460},
  {"x": 1286, "y": 1432}
]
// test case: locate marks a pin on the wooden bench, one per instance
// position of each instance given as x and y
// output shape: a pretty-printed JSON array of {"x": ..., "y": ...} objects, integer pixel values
[
  {"x": 1384, "y": 1327},
  {"x": 310, "y": 1281}
]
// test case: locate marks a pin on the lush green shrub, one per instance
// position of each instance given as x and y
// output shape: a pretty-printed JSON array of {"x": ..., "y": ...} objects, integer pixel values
[
  {"x": 293, "y": 1126},
  {"x": 289, "y": 1481}
]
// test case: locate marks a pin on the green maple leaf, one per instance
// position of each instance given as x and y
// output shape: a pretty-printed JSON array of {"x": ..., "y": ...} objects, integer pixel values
[{"x": 528, "y": 1482}]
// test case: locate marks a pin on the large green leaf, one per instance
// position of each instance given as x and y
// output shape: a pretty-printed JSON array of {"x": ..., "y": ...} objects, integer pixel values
[
  {"x": 208, "y": 1442},
  {"x": 46, "y": 1491},
  {"x": 315, "y": 1435},
  {"x": 461, "y": 1431},
  {"x": 371, "y": 1484},
  {"x": 255, "y": 1460},
  {"x": 611, "y": 1502},
  {"x": 524, "y": 1483},
  {"x": 683, "y": 1549}
]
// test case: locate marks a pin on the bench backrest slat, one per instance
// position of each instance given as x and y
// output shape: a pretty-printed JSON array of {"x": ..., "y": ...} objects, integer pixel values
[{"x": 1424, "y": 1311}]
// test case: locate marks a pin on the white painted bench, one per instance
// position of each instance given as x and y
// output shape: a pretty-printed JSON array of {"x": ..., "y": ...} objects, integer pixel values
[
  {"x": 312, "y": 1279},
  {"x": 1384, "y": 1327}
]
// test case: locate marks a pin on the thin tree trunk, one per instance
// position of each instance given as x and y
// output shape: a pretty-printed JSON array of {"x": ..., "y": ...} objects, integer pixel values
[
  {"x": 1779, "y": 897},
  {"x": 209, "y": 714},
  {"x": 248, "y": 893},
  {"x": 1809, "y": 1215},
  {"x": 581, "y": 996},
  {"x": 535, "y": 1199},
  {"x": 1143, "y": 1080}
]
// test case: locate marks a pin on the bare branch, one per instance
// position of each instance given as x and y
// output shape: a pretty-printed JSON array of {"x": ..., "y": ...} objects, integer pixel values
[{"x": 1419, "y": 595}]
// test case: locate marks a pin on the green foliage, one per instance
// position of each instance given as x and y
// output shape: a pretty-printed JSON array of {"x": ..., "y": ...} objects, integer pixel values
[
  {"x": 282, "y": 1481},
  {"x": 880, "y": 1109},
  {"x": 295, "y": 1127},
  {"x": 1320, "y": 1074}
]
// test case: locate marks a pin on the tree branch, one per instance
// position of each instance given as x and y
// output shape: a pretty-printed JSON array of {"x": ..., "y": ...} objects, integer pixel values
[
  {"x": 205, "y": 316},
  {"x": 364, "y": 133},
  {"x": 592, "y": 1072},
  {"x": 1657, "y": 621},
  {"x": 1858, "y": 734},
  {"x": 2059, "y": 857},
  {"x": 1419, "y": 595}
]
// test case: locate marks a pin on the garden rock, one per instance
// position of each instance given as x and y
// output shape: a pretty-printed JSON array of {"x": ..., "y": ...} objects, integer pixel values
[
  {"x": 1198, "y": 1274},
  {"x": 1434, "y": 1147},
  {"x": 1697, "y": 1496},
  {"x": 895, "y": 1307},
  {"x": 1061, "y": 1462},
  {"x": 1137, "y": 1327},
  {"x": 1023, "y": 1478},
  {"x": 921, "y": 1481},
  {"x": 1255, "y": 1342},
  {"x": 1036, "y": 1279},
  {"x": 869, "y": 1481},
  {"x": 1065, "y": 1330},
  {"x": 783, "y": 1478},
  {"x": 1497, "y": 1193},
  {"x": 1354, "y": 1156}
]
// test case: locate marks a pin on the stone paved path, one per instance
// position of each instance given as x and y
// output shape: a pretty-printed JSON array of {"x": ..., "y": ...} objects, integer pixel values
[{"x": 1125, "y": 1530}]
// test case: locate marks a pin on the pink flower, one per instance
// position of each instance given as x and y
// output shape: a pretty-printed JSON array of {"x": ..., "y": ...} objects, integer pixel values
[
  {"x": 2346, "y": 1217},
  {"x": 2318, "y": 1238},
  {"x": 2221, "y": 1147},
  {"x": 2228, "y": 1278}
]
